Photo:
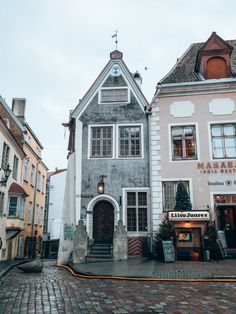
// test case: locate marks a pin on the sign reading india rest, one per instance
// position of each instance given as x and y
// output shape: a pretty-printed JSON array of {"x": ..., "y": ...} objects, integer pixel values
[{"x": 193, "y": 215}]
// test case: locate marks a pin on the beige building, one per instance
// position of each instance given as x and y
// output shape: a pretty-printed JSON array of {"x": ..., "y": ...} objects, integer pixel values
[
  {"x": 34, "y": 183},
  {"x": 193, "y": 139}
]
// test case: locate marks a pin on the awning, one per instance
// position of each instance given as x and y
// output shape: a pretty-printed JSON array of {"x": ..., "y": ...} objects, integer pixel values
[
  {"x": 12, "y": 233},
  {"x": 17, "y": 189}
]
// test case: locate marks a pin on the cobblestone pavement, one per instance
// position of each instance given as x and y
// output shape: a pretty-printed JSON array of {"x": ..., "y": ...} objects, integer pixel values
[{"x": 55, "y": 290}]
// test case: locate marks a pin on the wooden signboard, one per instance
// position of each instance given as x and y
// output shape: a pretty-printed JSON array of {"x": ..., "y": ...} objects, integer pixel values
[
  {"x": 168, "y": 250},
  {"x": 221, "y": 236},
  {"x": 222, "y": 248}
]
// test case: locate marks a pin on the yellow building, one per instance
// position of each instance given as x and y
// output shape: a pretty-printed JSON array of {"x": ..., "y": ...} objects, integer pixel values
[{"x": 34, "y": 183}]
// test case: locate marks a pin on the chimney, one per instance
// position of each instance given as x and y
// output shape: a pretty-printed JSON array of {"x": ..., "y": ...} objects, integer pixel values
[
  {"x": 18, "y": 108},
  {"x": 138, "y": 78}
]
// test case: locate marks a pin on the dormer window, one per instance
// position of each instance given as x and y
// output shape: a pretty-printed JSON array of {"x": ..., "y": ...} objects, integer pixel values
[
  {"x": 117, "y": 95},
  {"x": 216, "y": 67}
]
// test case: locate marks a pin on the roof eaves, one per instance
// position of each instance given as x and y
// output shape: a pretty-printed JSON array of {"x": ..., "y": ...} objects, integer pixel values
[{"x": 10, "y": 112}]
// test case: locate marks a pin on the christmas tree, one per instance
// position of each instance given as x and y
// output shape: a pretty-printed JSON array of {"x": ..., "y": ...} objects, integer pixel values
[
  {"x": 166, "y": 232},
  {"x": 182, "y": 200},
  {"x": 210, "y": 241}
]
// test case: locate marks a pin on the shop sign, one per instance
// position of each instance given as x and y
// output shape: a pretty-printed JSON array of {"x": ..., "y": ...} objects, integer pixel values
[
  {"x": 216, "y": 167},
  {"x": 193, "y": 215},
  {"x": 226, "y": 182}
]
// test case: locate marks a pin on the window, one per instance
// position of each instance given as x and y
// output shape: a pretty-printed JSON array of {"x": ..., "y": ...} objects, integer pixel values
[
  {"x": 169, "y": 189},
  {"x": 114, "y": 95},
  {"x": 183, "y": 139},
  {"x": 30, "y": 212},
  {"x": 39, "y": 180},
  {"x": 136, "y": 211},
  {"x": 43, "y": 184},
  {"x": 26, "y": 170},
  {"x": 21, "y": 207},
  {"x": 32, "y": 175},
  {"x": 216, "y": 67},
  {"x": 223, "y": 138},
  {"x": 5, "y": 156},
  {"x": 41, "y": 216},
  {"x": 129, "y": 141},
  {"x": 13, "y": 202},
  {"x": 101, "y": 142},
  {"x": 1, "y": 203},
  {"x": 36, "y": 217},
  {"x": 15, "y": 167}
]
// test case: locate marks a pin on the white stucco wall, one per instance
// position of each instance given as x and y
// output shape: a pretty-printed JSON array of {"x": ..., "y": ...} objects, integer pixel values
[{"x": 56, "y": 199}]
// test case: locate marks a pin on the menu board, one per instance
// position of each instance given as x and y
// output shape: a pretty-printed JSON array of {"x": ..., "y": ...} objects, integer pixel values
[{"x": 168, "y": 250}]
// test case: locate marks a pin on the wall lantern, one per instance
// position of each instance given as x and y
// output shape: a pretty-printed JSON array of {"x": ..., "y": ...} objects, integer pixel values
[
  {"x": 7, "y": 172},
  {"x": 101, "y": 185}
]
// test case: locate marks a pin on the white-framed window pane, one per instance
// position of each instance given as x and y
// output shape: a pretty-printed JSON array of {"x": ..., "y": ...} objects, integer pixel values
[
  {"x": 13, "y": 201},
  {"x": 101, "y": 142},
  {"x": 169, "y": 189},
  {"x": 224, "y": 140},
  {"x": 184, "y": 145},
  {"x": 137, "y": 217},
  {"x": 129, "y": 141},
  {"x": 30, "y": 212}
]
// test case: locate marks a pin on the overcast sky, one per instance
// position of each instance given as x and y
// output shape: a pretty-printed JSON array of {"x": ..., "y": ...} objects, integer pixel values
[{"x": 52, "y": 50}]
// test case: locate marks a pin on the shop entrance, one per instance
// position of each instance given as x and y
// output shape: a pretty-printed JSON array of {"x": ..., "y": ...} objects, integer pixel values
[
  {"x": 225, "y": 208},
  {"x": 103, "y": 222},
  {"x": 189, "y": 246},
  {"x": 226, "y": 217}
]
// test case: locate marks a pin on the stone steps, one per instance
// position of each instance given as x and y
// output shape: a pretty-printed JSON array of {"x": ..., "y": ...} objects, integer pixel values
[{"x": 99, "y": 252}]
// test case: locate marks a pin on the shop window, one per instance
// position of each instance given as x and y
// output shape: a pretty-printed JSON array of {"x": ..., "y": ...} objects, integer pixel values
[
  {"x": 129, "y": 141},
  {"x": 183, "y": 140},
  {"x": 136, "y": 211},
  {"x": 101, "y": 142},
  {"x": 223, "y": 137},
  {"x": 169, "y": 189}
]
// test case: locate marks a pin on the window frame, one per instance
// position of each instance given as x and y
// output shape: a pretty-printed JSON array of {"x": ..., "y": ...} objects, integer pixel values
[
  {"x": 15, "y": 167},
  {"x": 17, "y": 206},
  {"x": 221, "y": 124},
  {"x": 5, "y": 155},
  {"x": 198, "y": 153},
  {"x": 176, "y": 180},
  {"x": 147, "y": 206},
  {"x": 2, "y": 201},
  {"x": 90, "y": 140},
  {"x": 130, "y": 125},
  {"x": 115, "y": 101}
]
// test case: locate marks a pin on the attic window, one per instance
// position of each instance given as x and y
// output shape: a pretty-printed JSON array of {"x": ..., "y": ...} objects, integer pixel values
[
  {"x": 216, "y": 67},
  {"x": 110, "y": 95}
]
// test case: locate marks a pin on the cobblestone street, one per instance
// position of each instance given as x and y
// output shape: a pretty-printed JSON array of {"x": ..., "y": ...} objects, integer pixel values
[{"x": 55, "y": 290}]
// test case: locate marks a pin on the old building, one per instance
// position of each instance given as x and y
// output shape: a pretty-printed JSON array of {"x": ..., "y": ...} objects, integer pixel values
[
  {"x": 34, "y": 183},
  {"x": 193, "y": 136},
  {"x": 108, "y": 168},
  {"x": 12, "y": 194}
]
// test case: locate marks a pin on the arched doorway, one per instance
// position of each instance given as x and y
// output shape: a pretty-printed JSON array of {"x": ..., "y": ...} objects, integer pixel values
[{"x": 103, "y": 222}]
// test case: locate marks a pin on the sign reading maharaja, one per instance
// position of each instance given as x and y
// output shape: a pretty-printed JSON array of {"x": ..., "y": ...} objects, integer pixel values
[
  {"x": 217, "y": 167},
  {"x": 192, "y": 215}
]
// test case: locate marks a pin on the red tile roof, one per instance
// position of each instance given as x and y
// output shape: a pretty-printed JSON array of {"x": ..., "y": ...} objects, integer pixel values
[{"x": 16, "y": 189}]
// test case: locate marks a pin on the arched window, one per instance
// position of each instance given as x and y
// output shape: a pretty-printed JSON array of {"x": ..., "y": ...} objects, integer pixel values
[{"x": 216, "y": 67}]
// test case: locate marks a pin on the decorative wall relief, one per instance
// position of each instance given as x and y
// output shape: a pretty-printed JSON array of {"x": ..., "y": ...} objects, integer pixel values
[
  {"x": 221, "y": 106},
  {"x": 180, "y": 109},
  {"x": 120, "y": 242}
]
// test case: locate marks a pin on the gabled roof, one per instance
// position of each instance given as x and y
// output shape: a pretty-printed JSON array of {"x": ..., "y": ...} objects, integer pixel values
[
  {"x": 116, "y": 58},
  {"x": 184, "y": 69}
]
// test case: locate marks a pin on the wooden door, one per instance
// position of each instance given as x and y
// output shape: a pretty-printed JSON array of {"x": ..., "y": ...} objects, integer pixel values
[{"x": 103, "y": 222}]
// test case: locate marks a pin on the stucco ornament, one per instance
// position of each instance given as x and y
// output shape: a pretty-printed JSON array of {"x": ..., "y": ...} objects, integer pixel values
[
  {"x": 80, "y": 244},
  {"x": 120, "y": 242}
]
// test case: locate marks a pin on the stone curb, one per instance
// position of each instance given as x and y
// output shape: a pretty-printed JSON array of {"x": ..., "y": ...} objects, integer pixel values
[{"x": 4, "y": 271}]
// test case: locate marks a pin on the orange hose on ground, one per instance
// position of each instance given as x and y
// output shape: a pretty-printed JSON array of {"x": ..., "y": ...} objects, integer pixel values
[{"x": 144, "y": 278}]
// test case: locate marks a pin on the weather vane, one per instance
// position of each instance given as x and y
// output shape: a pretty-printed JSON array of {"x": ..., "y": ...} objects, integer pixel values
[{"x": 115, "y": 36}]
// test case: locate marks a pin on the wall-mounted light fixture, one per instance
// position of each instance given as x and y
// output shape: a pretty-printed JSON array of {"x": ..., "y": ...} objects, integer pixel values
[
  {"x": 7, "y": 172},
  {"x": 101, "y": 185}
]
